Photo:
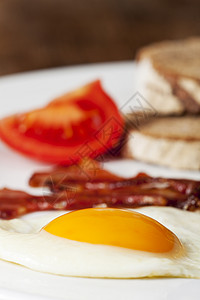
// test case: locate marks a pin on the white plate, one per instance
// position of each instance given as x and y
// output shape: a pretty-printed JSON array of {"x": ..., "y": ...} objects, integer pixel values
[{"x": 30, "y": 90}]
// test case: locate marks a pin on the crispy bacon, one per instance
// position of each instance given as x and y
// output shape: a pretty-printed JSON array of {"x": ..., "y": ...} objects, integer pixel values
[
  {"x": 90, "y": 176},
  {"x": 78, "y": 187},
  {"x": 77, "y": 175},
  {"x": 180, "y": 193},
  {"x": 17, "y": 203}
]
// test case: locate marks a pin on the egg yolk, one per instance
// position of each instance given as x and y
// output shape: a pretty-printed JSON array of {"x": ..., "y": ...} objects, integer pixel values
[{"x": 114, "y": 227}]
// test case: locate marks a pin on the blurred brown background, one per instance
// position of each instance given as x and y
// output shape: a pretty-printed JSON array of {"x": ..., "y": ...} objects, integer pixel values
[{"x": 37, "y": 34}]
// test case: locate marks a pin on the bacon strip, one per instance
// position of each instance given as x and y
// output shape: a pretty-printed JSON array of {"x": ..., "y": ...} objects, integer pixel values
[
  {"x": 17, "y": 203},
  {"x": 78, "y": 187},
  {"x": 79, "y": 174},
  {"x": 180, "y": 193},
  {"x": 92, "y": 177}
]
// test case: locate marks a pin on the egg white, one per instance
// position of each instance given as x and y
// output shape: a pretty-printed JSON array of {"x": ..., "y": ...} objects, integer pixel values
[{"x": 22, "y": 242}]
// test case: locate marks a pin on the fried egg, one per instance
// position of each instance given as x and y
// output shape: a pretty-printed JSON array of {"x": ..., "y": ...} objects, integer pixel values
[{"x": 106, "y": 242}]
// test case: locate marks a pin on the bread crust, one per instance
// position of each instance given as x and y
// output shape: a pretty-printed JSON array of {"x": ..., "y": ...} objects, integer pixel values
[
  {"x": 187, "y": 100},
  {"x": 167, "y": 141},
  {"x": 179, "y": 154},
  {"x": 176, "y": 60},
  {"x": 175, "y": 128}
]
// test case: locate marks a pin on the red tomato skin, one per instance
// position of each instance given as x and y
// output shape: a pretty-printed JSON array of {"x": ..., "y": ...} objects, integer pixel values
[{"x": 94, "y": 146}]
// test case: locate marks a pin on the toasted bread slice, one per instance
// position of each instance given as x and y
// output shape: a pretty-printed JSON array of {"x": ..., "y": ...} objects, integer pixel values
[
  {"x": 168, "y": 141},
  {"x": 177, "y": 66},
  {"x": 175, "y": 58},
  {"x": 157, "y": 91}
]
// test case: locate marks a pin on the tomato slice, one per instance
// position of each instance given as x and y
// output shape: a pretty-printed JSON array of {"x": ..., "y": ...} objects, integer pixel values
[{"x": 82, "y": 123}]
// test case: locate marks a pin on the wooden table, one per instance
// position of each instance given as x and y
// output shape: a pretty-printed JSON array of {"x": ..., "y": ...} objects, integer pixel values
[{"x": 37, "y": 34}]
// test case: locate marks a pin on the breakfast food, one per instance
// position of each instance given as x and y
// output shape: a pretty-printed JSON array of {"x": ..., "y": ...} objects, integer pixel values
[
  {"x": 82, "y": 123},
  {"x": 122, "y": 227},
  {"x": 168, "y": 141},
  {"x": 113, "y": 243},
  {"x": 76, "y": 187},
  {"x": 168, "y": 76}
]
